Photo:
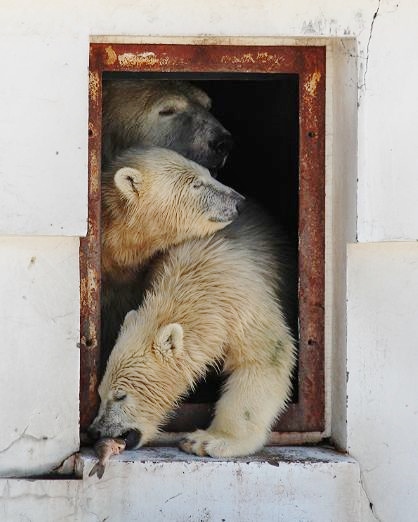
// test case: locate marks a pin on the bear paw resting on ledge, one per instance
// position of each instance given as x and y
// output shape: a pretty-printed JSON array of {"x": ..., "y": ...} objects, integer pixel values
[{"x": 211, "y": 301}]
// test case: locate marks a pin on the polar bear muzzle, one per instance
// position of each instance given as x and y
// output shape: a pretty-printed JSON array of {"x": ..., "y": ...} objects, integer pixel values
[{"x": 132, "y": 438}]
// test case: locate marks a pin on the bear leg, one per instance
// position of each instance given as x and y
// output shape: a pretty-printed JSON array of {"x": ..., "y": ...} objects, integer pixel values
[{"x": 252, "y": 399}]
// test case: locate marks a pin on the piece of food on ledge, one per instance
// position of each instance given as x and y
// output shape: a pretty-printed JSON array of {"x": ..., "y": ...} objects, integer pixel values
[{"x": 104, "y": 449}]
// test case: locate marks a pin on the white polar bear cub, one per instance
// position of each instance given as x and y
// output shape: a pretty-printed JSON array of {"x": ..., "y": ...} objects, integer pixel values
[{"x": 211, "y": 301}]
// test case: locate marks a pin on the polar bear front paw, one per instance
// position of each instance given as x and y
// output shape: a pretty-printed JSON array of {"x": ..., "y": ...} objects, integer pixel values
[
  {"x": 195, "y": 443},
  {"x": 213, "y": 444}
]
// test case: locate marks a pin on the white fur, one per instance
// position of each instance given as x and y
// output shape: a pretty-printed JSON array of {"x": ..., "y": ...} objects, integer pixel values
[
  {"x": 153, "y": 198},
  {"x": 219, "y": 292}
]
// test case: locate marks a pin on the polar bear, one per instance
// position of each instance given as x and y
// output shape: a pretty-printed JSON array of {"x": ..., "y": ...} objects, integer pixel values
[
  {"x": 152, "y": 198},
  {"x": 211, "y": 302},
  {"x": 165, "y": 113}
]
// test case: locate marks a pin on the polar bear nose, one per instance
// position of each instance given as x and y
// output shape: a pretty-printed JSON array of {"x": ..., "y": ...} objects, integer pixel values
[
  {"x": 239, "y": 204},
  {"x": 132, "y": 438},
  {"x": 222, "y": 144}
]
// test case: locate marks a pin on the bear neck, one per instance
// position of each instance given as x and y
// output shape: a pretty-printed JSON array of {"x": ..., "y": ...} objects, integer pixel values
[
  {"x": 126, "y": 246},
  {"x": 186, "y": 290}
]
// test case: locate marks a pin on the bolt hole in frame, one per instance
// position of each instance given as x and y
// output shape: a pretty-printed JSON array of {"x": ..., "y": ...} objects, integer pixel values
[{"x": 289, "y": 82}]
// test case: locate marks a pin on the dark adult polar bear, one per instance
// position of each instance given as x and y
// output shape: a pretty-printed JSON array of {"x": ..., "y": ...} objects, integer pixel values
[
  {"x": 211, "y": 301},
  {"x": 164, "y": 113}
]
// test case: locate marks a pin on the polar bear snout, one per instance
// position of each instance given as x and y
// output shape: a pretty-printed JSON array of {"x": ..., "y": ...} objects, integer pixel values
[
  {"x": 221, "y": 146},
  {"x": 229, "y": 208},
  {"x": 132, "y": 437},
  {"x": 238, "y": 203}
]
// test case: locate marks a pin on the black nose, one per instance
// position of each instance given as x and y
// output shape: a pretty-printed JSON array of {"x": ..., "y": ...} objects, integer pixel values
[
  {"x": 132, "y": 438},
  {"x": 222, "y": 144},
  {"x": 94, "y": 433}
]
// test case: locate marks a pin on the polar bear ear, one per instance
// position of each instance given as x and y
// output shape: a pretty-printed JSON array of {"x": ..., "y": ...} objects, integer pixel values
[
  {"x": 169, "y": 340},
  {"x": 128, "y": 181}
]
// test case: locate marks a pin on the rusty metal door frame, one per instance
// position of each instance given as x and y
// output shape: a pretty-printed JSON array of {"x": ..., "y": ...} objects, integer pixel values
[{"x": 308, "y": 62}]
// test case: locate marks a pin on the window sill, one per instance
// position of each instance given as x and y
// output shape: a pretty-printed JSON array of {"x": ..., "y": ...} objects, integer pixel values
[
  {"x": 157, "y": 484},
  {"x": 168, "y": 456}
]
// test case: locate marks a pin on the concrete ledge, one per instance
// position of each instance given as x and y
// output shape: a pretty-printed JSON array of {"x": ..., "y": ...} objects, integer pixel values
[
  {"x": 162, "y": 484},
  {"x": 273, "y": 455}
]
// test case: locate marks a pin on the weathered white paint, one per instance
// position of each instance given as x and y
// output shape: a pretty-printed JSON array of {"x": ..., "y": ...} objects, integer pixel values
[
  {"x": 43, "y": 107},
  {"x": 44, "y": 50},
  {"x": 388, "y": 182},
  {"x": 39, "y": 321},
  {"x": 156, "y": 485},
  {"x": 43, "y": 132},
  {"x": 340, "y": 219},
  {"x": 382, "y": 374}
]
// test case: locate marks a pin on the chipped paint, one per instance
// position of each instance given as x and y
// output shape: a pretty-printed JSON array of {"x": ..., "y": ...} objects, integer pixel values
[
  {"x": 267, "y": 58},
  {"x": 148, "y": 59},
  {"x": 94, "y": 81},
  {"x": 111, "y": 56},
  {"x": 138, "y": 59},
  {"x": 246, "y": 58},
  {"x": 312, "y": 83},
  {"x": 94, "y": 171}
]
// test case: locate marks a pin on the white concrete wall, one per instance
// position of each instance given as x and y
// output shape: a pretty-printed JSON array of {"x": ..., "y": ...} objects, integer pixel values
[
  {"x": 382, "y": 374},
  {"x": 43, "y": 191},
  {"x": 39, "y": 321}
]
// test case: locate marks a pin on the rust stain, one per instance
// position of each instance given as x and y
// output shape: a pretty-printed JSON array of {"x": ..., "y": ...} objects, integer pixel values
[
  {"x": 94, "y": 82},
  {"x": 92, "y": 130},
  {"x": 111, "y": 56},
  {"x": 312, "y": 83},
  {"x": 90, "y": 260}
]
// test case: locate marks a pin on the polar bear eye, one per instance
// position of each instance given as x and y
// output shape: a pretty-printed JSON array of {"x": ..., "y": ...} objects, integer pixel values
[
  {"x": 197, "y": 183},
  {"x": 119, "y": 397},
  {"x": 168, "y": 111}
]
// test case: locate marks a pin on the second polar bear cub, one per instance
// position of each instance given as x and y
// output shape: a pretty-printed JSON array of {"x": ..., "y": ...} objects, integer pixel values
[
  {"x": 211, "y": 301},
  {"x": 152, "y": 198}
]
